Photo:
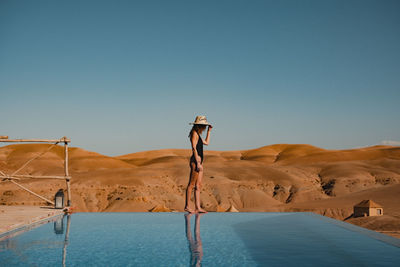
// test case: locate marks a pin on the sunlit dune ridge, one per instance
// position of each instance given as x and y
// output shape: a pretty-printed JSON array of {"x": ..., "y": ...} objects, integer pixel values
[{"x": 281, "y": 177}]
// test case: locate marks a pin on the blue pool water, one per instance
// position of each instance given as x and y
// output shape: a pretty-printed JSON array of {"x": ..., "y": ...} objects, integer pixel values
[{"x": 213, "y": 239}]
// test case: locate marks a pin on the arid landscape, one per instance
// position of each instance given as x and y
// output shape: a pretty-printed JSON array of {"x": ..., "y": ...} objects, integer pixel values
[{"x": 280, "y": 177}]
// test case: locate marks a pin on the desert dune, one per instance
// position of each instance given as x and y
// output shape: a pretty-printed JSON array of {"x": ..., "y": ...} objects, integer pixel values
[{"x": 282, "y": 177}]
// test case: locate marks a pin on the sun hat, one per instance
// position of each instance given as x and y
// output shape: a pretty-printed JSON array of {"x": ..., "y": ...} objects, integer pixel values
[{"x": 202, "y": 120}]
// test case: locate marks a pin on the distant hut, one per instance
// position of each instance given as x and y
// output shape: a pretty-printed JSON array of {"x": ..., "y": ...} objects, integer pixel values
[{"x": 367, "y": 208}]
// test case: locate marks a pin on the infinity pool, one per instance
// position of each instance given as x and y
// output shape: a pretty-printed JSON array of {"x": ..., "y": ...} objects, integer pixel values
[{"x": 213, "y": 239}]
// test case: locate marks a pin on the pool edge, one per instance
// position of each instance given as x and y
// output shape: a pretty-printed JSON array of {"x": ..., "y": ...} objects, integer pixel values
[
  {"x": 26, "y": 227},
  {"x": 370, "y": 233}
]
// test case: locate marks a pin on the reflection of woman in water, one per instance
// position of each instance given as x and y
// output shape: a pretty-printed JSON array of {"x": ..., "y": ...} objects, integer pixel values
[
  {"x": 195, "y": 245},
  {"x": 196, "y": 162}
]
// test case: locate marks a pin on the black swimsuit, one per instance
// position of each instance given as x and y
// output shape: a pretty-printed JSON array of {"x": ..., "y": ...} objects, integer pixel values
[{"x": 199, "y": 148}]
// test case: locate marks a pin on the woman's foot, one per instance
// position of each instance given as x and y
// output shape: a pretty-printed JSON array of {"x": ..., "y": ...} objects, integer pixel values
[
  {"x": 201, "y": 211},
  {"x": 188, "y": 210}
]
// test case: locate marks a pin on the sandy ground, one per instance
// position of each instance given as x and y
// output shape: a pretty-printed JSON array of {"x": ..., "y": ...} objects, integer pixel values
[
  {"x": 391, "y": 233},
  {"x": 282, "y": 177},
  {"x": 13, "y": 217}
]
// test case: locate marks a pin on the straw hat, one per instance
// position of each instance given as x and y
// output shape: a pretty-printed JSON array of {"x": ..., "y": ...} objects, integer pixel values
[{"x": 202, "y": 120}]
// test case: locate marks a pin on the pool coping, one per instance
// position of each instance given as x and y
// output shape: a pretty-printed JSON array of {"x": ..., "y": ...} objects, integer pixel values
[
  {"x": 370, "y": 233},
  {"x": 27, "y": 227}
]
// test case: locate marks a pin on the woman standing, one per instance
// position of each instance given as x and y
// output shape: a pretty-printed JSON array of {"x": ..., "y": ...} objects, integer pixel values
[{"x": 196, "y": 162}]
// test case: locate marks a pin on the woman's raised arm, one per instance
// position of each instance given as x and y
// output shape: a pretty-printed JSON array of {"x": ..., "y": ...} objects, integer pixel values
[{"x": 207, "y": 141}]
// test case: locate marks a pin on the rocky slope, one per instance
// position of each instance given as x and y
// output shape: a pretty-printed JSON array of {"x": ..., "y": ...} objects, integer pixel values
[{"x": 279, "y": 177}]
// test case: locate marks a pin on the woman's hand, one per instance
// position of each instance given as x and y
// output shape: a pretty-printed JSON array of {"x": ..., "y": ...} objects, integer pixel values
[
  {"x": 209, "y": 127},
  {"x": 199, "y": 167}
]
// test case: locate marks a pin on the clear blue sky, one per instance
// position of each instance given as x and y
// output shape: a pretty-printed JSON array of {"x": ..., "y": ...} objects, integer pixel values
[{"x": 126, "y": 76}]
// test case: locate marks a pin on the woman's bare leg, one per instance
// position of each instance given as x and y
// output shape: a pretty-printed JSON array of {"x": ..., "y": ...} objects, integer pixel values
[
  {"x": 192, "y": 181},
  {"x": 188, "y": 194},
  {"x": 197, "y": 192}
]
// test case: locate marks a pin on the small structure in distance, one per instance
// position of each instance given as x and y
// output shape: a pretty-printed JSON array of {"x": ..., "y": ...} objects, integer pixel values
[{"x": 367, "y": 208}]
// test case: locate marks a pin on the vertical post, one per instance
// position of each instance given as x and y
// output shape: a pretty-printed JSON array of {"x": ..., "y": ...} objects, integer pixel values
[{"x": 66, "y": 171}]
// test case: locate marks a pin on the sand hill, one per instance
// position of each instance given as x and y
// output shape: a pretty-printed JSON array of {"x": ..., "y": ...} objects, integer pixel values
[{"x": 279, "y": 177}]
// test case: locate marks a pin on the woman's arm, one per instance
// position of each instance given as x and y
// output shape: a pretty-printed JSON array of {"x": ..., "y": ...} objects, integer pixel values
[{"x": 207, "y": 141}]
